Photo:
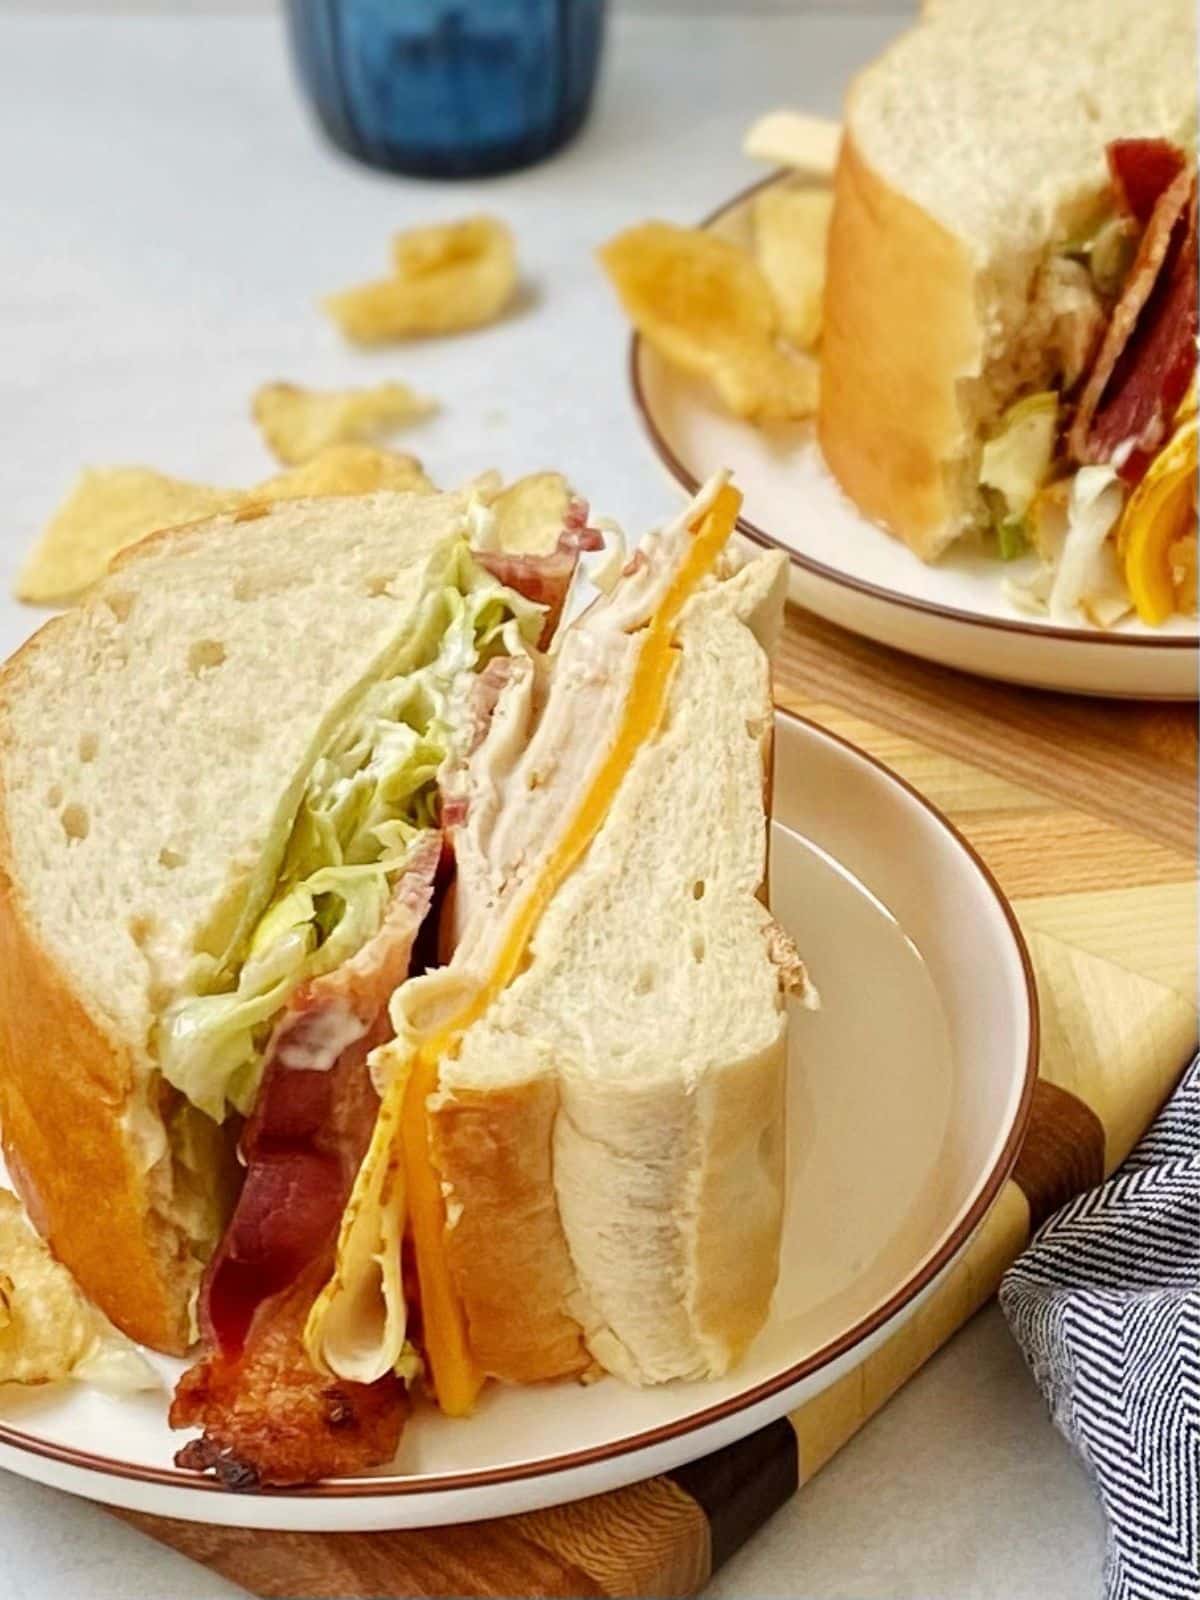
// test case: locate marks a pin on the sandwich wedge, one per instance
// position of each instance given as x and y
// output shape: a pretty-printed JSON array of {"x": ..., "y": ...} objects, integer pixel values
[
  {"x": 363, "y": 924},
  {"x": 1010, "y": 303}
]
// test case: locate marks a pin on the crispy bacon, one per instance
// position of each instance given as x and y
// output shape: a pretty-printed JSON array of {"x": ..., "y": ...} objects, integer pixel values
[
  {"x": 1156, "y": 367},
  {"x": 546, "y": 579},
  {"x": 270, "y": 1418},
  {"x": 313, "y": 1117},
  {"x": 575, "y": 524},
  {"x": 302, "y": 1147},
  {"x": 1147, "y": 356},
  {"x": 1142, "y": 170},
  {"x": 265, "y": 1410}
]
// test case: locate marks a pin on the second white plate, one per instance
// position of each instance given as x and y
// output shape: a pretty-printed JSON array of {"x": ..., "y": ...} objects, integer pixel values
[{"x": 848, "y": 570}]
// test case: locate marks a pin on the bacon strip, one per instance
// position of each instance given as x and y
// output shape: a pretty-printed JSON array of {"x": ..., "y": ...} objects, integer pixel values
[
  {"x": 546, "y": 579},
  {"x": 313, "y": 1117},
  {"x": 270, "y": 1418},
  {"x": 257, "y": 1396},
  {"x": 1142, "y": 170},
  {"x": 1155, "y": 369},
  {"x": 1146, "y": 358}
]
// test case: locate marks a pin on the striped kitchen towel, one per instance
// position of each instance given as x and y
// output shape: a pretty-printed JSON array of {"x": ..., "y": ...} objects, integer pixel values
[{"x": 1105, "y": 1304}]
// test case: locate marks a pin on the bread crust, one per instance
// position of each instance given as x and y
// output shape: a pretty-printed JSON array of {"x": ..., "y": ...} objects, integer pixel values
[
  {"x": 504, "y": 1240},
  {"x": 901, "y": 331},
  {"x": 64, "y": 1084},
  {"x": 510, "y": 1219}
]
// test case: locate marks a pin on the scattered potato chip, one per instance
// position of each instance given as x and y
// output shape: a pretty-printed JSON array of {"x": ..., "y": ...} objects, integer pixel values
[
  {"x": 790, "y": 231},
  {"x": 528, "y": 515},
  {"x": 345, "y": 469},
  {"x": 794, "y": 139},
  {"x": 108, "y": 509},
  {"x": 48, "y": 1331},
  {"x": 705, "y": 306},
  {"x": 297, "y": 423},
  {"x": 447, "y": 277},
  {"x": 111, "y": 508},
  {"x": 418, "y": 252}
]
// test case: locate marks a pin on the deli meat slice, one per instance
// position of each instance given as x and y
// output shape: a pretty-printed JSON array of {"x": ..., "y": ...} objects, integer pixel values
[
  {"x": 546, "y": 579},
  {"x": 485, "y": 693},
  {"x": 268, "y": 1416},
  {"x": 1147, "y": 356}
]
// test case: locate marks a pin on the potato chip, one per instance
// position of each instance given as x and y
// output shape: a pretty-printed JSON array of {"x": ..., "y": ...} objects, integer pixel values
[
  {"x": 297, "y": 423},
  {"x": 794, "y": 139},
  {"x": 447, "y": 277},
  {"x": 111, "y": 508},
  {"x": 48, "y": 1331},
  {"x": 528, "y": 515},
  {"x": 418, "y": 252},
  {"x": 706, "y": 307},
  {"x": 108, "y": 509},
  {"x": 345, "y": 469},
  {"x": 790, "y": 231}
]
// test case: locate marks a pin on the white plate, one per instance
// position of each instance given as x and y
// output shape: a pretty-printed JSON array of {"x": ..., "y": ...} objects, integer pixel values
[
  {"x": 847, "y": 569},
  {"x": 908, "y": 1098}
]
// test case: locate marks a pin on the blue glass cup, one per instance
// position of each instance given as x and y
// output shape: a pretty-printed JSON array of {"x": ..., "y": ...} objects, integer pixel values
[{"x": 448, "y": 88}]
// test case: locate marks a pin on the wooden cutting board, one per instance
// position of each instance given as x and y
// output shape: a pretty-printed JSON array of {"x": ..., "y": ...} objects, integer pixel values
[{"x": 1085, "y": 811}]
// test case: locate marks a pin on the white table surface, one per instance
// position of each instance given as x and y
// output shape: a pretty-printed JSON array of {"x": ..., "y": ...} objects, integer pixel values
[{"x": 169, "y": 217}]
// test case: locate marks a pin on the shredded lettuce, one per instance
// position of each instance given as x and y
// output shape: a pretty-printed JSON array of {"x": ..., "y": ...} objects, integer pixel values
[
  {"x": 1107, "y": 249},
  {"x": 1087, "y": 576},
  {"x": 1080, "y": 573},
  {"x": 1014, "y": 465},
  {"x": 368, "y": 799},
  {"x": 1012, "y": 540}
]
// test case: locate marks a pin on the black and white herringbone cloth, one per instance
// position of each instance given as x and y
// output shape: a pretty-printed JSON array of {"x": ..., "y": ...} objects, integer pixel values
[{"x": 1105, "y": 1304}]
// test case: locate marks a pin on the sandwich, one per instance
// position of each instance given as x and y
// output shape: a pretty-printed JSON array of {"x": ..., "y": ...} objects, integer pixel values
[
  {"x": 1009, "y": 347},
  {"x": 388, "y": 1000}
]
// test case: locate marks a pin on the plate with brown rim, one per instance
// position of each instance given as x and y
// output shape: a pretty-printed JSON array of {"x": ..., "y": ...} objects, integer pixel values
[
  {"x": 848, "y": 570},
  {"x": 908, "y": 1095}
]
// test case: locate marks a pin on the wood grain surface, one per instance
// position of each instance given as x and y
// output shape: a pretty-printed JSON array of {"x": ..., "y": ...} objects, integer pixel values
[
  {"x": 1086, "y": 812},
  {"x": 1124, "y": 762}
]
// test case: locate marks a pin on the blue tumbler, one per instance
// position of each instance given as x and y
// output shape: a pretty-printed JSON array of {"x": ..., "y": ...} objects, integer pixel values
[{"x": 448, "y": 88}]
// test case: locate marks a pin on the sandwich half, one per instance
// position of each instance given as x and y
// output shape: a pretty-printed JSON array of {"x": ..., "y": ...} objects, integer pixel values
[
  {"x": 1011, "y": 282},
  {"x": 361, "y": 926}
]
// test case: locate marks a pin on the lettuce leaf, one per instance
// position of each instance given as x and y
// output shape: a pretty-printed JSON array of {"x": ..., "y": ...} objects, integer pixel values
[
  {"x": 1088, "y": 574},
  {"x": 1016, "y": 460},
  {"x": 367, "y": 800}
]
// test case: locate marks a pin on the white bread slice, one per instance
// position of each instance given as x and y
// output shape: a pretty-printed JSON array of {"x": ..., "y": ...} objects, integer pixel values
[
  {"x": 627, "y": 1089},
  {"x": 153, "y": 742},
  {"x": 973, "y": 146}
]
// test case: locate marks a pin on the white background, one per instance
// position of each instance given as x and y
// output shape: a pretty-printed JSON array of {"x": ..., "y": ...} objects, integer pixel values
[{"x": 169, "y": 217}]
